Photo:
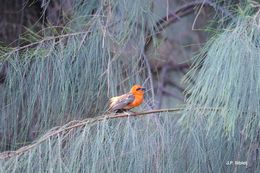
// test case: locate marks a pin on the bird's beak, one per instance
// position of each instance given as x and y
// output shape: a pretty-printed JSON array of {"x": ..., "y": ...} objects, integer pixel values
[{"x": 143, "y": 89}]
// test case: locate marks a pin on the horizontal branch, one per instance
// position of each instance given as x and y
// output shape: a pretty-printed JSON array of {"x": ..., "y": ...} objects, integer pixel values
[{"x": 79, "y": 124}]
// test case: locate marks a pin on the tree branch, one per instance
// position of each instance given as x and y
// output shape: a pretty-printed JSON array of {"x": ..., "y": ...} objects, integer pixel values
[
  {"x": 178, "y": 14},
  {"x": 79, "y": 124}
]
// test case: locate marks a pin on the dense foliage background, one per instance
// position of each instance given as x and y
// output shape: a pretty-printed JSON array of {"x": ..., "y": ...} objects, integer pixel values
[{"x": 62, "y": 60}]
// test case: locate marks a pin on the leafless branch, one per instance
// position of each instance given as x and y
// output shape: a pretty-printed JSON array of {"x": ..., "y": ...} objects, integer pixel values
[
  {"x": 80, "y": 124},
  {"x": 184, "y": 10}
]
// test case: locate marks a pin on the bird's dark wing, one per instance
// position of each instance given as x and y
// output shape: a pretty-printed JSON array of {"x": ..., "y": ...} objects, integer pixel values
[{"x": 120, "y": 102}]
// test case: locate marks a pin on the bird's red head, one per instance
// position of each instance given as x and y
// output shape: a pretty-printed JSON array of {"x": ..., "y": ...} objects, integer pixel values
[{"x": 137, "y": 90}]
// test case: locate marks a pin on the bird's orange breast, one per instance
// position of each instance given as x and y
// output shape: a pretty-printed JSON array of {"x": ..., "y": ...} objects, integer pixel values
[{"x": 138, "y": 100}]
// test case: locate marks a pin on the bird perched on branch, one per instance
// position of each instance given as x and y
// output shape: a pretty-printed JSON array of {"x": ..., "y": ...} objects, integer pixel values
[{"x": 127, "y": 101}]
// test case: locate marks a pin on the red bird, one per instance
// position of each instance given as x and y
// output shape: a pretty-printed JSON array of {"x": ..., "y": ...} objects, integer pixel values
[{"x": 127, "y": 101}]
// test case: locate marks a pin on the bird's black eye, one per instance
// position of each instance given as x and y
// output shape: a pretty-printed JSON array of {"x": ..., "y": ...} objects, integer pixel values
[{"x": 143, "y": 89}]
